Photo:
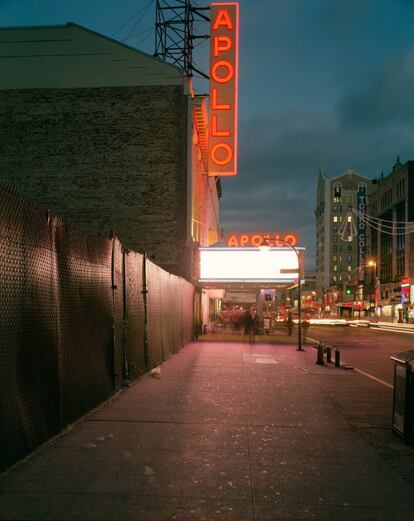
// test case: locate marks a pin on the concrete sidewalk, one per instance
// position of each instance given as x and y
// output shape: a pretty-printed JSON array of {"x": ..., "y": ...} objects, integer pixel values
[{"x": 227, "y": 431}]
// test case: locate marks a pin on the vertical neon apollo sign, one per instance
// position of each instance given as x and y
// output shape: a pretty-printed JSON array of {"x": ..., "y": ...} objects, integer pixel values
[{"x": 223, "y": 88}]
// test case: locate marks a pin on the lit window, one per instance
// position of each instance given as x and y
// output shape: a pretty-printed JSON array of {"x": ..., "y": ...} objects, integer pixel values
[
  {"x": 349, "y": 218},
  {"x": 349, "y": 268},
  {"x": 335, "y": 218},
  {"x": 334, "y": 278},
  {"x": 335, "y": 268},
  {"x": 335, "y": 258}
]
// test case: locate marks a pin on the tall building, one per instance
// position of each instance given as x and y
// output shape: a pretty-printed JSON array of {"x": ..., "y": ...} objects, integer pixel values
[
  {"x": 340, "y": 257},
  {"x": 109, "y": 138},
  {"x": 392, "y": 248}
]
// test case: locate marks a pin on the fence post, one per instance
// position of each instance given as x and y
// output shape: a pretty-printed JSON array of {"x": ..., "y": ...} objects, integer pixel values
[
  {"x": 144, "y": 296},
  {"x": 125, "y": 368}
]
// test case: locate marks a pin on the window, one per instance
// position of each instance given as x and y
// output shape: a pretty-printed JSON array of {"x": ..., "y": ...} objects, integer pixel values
[
  {"x": 349, "y": 258},
  {"x": 335, "y": 219},
  {"x": 349, "y": 218},
  {"x": 337, "y": 193},
  {"x": 350, "y": 199},
  {"x": 335, "y": 227},
  {"x": 335, "y": 238},
  {"x": 335, "y": 268},
  {"x": 334, "y": 278},
  {"x": 349, "y": 268},
  {"x": 349, "y": 248},
  {"x": 334, "y": 249}
]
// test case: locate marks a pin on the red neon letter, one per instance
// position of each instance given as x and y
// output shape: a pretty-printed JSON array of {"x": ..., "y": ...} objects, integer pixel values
[
  {"x": 230, "y": 71},
  {"x": 226, "y": 44},
  {"x": 215, "y": 105},
  {"x": 232, "y": 241},
  {"x": 228, "y": 151},
  {"x": 223, "y": 20},
  {"x": 214, "y": 131},
  {"x": 244, "y": 239},
  {"x": 290, "y": 239},
  {"x": 257, "y": 240}
]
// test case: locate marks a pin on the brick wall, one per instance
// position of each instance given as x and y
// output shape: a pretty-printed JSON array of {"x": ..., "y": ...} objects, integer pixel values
[{"x": 106, "y": 159}]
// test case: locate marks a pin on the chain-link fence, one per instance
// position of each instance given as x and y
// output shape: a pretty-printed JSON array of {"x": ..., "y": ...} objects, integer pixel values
[{"x": 78, "y": 315}]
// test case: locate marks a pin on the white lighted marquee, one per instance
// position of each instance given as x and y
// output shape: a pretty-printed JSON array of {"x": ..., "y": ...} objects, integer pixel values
[{"x": 248, "y": 265}]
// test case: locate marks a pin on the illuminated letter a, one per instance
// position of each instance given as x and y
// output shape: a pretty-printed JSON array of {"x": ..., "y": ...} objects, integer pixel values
[
  {"x": 232, "y": 241},
  {"x": 222, "y": 20}
]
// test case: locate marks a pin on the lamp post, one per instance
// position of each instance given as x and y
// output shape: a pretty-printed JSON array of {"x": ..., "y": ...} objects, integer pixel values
[
  {"x": 265, "y": 245},
  {"x": 376, "y": 285}
]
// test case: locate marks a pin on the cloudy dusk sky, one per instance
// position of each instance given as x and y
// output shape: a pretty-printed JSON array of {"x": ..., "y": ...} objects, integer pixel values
[{"x": 323, "y": 84}]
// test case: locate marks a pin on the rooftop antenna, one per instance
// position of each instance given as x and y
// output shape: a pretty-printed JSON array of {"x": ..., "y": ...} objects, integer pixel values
[{"x": 174, "y": 33}]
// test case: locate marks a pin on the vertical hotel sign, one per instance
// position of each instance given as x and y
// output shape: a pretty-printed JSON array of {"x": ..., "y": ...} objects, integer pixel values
[
  {"x": 223, "y": 88},
  {"x": 362, "y": 206}
]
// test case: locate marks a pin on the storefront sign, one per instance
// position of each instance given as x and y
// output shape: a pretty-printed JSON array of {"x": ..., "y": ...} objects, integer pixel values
[
  {"x": 239, "y": 297},
  {"x": 362, "y": 204},
  {"x": 256, "y": 239},
  {"x": 223, "y": 89}
]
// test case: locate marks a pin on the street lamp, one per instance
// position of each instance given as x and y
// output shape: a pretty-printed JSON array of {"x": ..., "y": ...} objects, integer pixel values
[
  {"x": 373, "y": 264},
  {"x": 265, "y": 246}
]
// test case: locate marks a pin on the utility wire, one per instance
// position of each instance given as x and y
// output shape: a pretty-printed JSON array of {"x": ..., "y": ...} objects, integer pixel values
[
  {"x": 144, "y": 10},
  {"x": 144, "y": 39},
  {"x": 131, "y": 18},
  {"x": 140, "y": 33}
]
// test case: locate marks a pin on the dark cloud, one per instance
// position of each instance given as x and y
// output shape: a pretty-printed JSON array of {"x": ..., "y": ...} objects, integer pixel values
[{"x": 385, "y": 98}]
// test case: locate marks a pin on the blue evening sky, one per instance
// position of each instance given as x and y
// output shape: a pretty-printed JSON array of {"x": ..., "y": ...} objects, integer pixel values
[{"x": 323, "y": 84}]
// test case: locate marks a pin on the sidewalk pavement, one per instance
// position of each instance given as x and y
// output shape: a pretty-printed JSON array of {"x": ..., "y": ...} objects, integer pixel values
[{"x": 225, "y": 431}]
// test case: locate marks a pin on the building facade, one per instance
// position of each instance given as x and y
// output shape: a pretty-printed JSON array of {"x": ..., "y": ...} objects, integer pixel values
[
  {"x": 392, "y": 248},
  {"x": 109, "y": 138},
  {"x": 342, "y": 247}
]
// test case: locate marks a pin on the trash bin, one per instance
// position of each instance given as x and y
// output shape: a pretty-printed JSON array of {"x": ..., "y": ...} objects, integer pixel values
[{"x": 403, "y": 402}]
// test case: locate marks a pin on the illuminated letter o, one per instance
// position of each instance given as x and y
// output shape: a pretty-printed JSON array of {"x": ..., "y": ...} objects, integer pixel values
[
  {"x": 228, "y": 150},
  {"x": 291, "y": 239},
  {"x": 230, "y": 71},
  {"x": 256, "y": 240}
]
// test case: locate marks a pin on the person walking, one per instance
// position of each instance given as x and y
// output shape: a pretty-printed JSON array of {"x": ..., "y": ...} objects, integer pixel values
[
  {"x": 290, "y": 323},
  {"x": 249, "y": 324}
]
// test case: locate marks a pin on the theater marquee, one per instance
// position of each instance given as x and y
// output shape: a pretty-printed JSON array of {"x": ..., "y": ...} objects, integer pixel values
[
  {"x": 223, "y": 88},
  {"x": 277, "y": 266}
]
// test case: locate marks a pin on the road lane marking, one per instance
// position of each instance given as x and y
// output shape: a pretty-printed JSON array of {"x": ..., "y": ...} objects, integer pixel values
[
  {"x": 374, "y": 378},
  {"x": 374, "y": 328},
  {"x": 362, "y": 372}
]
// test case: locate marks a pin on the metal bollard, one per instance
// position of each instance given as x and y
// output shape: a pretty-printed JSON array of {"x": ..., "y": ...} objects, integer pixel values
[
  {"x": 319, "y": 359},
  {"x": 337, "y": 357},
  {"x": 328, "y": 354}
]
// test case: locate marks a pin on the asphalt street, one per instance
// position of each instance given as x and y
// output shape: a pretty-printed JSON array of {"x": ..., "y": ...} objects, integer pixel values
[{"x": 368, "y": 350}]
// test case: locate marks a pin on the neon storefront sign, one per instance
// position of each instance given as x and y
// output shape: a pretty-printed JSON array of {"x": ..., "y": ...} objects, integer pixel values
[
  {"x": 223, "y": 88},
  {"x": 256, "y": 239}
]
